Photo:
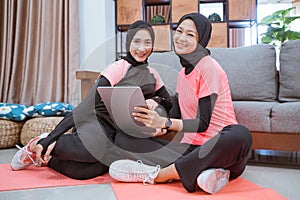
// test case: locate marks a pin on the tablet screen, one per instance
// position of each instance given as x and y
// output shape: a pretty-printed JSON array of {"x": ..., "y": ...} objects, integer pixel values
[{"x": 120, "y": 102}]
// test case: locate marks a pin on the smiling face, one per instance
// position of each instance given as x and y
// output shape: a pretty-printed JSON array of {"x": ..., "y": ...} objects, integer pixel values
[
  {"x": 141, "y": 45},
  {"x": 186, "y": 37}
]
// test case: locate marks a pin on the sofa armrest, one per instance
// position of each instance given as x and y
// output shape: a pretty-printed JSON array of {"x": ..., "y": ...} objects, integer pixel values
[{"x": 87, "y": 79}]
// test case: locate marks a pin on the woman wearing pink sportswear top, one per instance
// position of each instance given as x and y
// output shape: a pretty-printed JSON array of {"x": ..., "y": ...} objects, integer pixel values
[{"x": 217, "y": 147}]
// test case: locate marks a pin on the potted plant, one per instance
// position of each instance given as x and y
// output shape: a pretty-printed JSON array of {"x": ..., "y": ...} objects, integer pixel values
[
  {"x": 214, "y": 17},
  {"x": 158, "y": 19},
  {"x": 278, "y": 29}
]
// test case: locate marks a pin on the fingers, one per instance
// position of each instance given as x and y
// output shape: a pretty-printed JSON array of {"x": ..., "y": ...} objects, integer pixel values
[
  {"x": 163, "y": 131},
  {"x": 39, "y": 149},
  {"x": 142, "y": 113},
  {"x": 142, "y": 118},
  {"x": 160, "y": 132},
  {"x": 151, "y": 104},
  {"x": 148, "y": 117},
  {"x": 43, "y": 160},
  {"x": 142, "y": 110},
  {"x": 47, "y": 155}
]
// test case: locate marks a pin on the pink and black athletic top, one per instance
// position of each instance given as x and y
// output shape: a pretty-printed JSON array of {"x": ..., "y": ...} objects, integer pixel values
[
  {"x": 116, "y": 71},
  {"x": 207, "y": 79}
]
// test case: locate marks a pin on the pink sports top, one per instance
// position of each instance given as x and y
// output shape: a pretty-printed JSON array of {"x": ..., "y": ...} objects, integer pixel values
[{"x": 207, "y": 77}]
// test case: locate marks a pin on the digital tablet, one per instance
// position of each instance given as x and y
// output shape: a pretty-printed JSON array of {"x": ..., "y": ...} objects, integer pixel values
[{"x": 120, "y": 102}]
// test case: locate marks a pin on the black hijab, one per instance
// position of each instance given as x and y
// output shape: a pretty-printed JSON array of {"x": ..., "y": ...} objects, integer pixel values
[
  {"x": 133, "y": 28},
  {"x": 138, "y": 74},
  {"x": 204, "y": 28}
]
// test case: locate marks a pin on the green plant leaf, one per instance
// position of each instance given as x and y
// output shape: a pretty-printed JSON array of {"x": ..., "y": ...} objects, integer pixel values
[
  {"x": 267, "y": 20},
  {"x": 292, "y": 35},
  {"x": 283, "y": 13},
  {"x": 266, "y": 39},
  {"x": 214, "y": 17},
  {"x": 288, "y": 20},
  {"x": 158, "y": 19},
  {"x": 278, "y": 29}
]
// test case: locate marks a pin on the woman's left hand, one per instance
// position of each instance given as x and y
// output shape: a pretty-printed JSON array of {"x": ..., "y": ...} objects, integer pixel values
[
  {"x": 149, "y": 117},
  {"x": 159, "y": 132},
  {"x": 151, "y": 104}
]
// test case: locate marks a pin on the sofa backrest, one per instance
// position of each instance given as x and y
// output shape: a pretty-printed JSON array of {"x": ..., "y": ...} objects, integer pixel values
[
  {"x": 289, "y": 81},
  {"x": 167, "y": 64},
  {"x": 251, "y": 71}
]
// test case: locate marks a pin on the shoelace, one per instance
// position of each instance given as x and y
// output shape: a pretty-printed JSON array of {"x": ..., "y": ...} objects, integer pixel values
[
  {"x": 149, "y": 178},
  {"x": 27, "y": 154}
]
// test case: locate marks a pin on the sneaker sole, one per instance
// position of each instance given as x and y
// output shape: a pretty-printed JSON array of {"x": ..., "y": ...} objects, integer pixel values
[{"x": 215, "y": 180}]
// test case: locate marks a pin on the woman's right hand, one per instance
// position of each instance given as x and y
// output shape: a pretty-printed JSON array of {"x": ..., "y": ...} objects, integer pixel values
[
  {"x": 149, "y": 117},
  {"x": 39, "y": 150},
  {"x": 44, "y": 159}
]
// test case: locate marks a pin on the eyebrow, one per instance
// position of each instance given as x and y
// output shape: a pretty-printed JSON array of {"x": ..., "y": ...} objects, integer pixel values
[
  {"x": 188, "y": 30},
  {"x": 191, "y": 31},
  {"x": 138, "y": 38}
]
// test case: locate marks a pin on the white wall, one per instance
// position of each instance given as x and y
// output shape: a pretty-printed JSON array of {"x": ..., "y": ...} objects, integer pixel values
[
  {"x": 97, "y": 33},
  {"x": 296, "y": 24}
]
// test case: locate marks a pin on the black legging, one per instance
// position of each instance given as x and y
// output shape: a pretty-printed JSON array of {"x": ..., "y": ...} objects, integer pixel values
[
  {"x": 229, "y": 150},
  {"x": 71, "y": 158}
]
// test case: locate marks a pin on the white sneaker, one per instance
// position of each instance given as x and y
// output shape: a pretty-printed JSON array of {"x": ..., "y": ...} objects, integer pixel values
[
  {"x": 131, "y": 171},
  {"x": 213, "y": 180},
  {"x": 25, "y": 157}
]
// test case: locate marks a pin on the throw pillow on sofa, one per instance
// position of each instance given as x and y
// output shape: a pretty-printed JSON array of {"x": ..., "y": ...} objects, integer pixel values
[
  {"x": 15, "y": 112},
  {"x": 48, "y": 109}
]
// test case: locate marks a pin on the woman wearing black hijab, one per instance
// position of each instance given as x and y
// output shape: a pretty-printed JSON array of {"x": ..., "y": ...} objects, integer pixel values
[
  {"x": 89, "y": 149},
  {"x": 203, "y": 111}
]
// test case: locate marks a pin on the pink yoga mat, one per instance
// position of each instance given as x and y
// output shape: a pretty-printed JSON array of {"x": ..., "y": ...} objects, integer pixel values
[
  {"x": 40, "y": 177},
  {"x": 239, "y": 189},
  {"x": 43, "y": 177}
]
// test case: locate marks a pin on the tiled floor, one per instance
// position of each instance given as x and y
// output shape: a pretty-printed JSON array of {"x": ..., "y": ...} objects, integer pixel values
[{"x": 286, "y": 181}]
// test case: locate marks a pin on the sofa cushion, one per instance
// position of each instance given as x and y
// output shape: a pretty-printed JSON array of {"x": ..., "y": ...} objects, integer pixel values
[
  {"x": 289, "y": 82},
  {"x": 251, "y": 71},
  {"x": 255, "y": 115},
  {"x": 167, "y": 65},
  {"x": 170, "y": 59},
  {"x": 170, "y": 79},
  {"x": 286, "y": 118}
]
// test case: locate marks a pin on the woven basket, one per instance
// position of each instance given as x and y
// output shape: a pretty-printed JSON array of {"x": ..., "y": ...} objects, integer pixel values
[
  {"x": 9, "y": 133},
  {"x": 36, "y": 126}
]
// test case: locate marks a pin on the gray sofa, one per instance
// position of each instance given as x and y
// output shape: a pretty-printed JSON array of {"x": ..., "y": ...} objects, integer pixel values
[{"x": 266, "y": 100}]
